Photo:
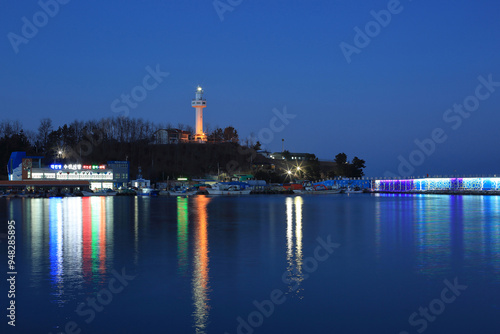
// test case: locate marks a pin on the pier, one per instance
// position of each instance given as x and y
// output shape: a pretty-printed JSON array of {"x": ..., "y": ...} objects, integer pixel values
[{"x": 440, "y": 185}]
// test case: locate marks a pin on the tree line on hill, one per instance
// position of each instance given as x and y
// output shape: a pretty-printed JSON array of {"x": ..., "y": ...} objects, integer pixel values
[
  {"x": 119, "y": 138},
  {"x": 343, "y": 167}
]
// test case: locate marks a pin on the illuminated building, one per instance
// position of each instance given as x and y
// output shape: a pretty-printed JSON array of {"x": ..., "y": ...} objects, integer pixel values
[
  {"x": 199, "y": 103},
  {"x": 98, "y": 176}
]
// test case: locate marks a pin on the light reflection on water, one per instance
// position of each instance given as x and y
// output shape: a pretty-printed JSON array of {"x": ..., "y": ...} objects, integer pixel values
[
  {"x": 182, "y": 234},
  {"x": 201, "y": 260},
  {"x": 73, "y": 243},
  {"x": 72, "y": 236},
  {"x": 444, "y": 230},
  {"x": 294, "y": 259}
]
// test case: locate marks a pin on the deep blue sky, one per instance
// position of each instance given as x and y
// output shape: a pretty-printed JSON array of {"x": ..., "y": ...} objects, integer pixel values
[{"x": 266, "y": 55}]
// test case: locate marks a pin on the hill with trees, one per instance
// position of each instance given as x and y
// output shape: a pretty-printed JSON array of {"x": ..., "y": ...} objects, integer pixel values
[{"x": 120, "y": 138}]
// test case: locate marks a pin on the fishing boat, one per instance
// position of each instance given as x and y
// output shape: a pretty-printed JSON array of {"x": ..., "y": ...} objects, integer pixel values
[
  {"x": 179, "y": 191},
  {"x": 318, "y": 189},
  {"x": 185, "y": 192},
  {"x": 354, "y": 190},
  {"x": 143, "y": 186},
  {"x": 147, "y": 191},
  {"x": 229, "y": 188}
]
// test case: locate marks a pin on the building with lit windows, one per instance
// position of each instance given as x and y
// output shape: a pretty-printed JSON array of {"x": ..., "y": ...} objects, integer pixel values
[
  {"x": 291, "y": 156},
  {"x": 99, "y": 176}
]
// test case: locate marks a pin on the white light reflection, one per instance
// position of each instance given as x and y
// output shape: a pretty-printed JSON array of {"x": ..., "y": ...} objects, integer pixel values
[
  {"x": 289, "y": 231},
  {"x": 136, "y": 230},
  {"x": 72, "y": 245},
  {"x": 298, "y": 232},
  {"x": 38, "y": 216},
  {"x": 294, "y": 260}
]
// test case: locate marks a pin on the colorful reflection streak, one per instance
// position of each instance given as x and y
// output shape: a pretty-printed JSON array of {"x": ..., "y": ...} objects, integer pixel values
[
  {"x": 294, "y": 259},
  {"x": 201, "y": 270},
  {"x": 418, "y": 220},
  {"x": 182, "y": 234},
  {"x": 494, "y": 234},
  {"x": 432, "y": 231},
  {"x": 55, "y": 246},
  {"x": 481, "y": 240},
  {"x": 447, "y": 232},
  {"x": 78, "y": 234}
]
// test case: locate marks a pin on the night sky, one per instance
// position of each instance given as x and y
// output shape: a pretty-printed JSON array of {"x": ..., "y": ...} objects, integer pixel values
[{"x": 257, "y": 56}]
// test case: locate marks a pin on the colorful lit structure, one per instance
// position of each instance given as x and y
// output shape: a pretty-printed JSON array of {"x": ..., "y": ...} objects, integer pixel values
[
  {"x": 29, "y": 171},
  {"x": 199, "y": 103},
  {"x": 438, "y": 184},
  {"x": 99, "y": 176}
]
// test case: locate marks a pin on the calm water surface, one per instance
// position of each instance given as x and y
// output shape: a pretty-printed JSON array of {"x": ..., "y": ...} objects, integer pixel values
[{"x": 256, "y": 264}]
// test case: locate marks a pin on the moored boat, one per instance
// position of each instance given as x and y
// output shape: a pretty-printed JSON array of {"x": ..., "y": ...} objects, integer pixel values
[
  {"x": 318, "y": 189},
  {"x": 229, "y": 188},
  {"x": 179, "y": 191},
  {"x": 102, "y": 192},
  {"x": 147, "y": 191},
  {"x": 354, "y": 190},
  {"x": 182, "y": 193}
]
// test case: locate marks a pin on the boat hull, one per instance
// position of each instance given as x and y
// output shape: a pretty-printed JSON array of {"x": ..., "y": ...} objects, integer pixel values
[
  {"x": 317, "y": 192},
  {"x": 228, "y": 192},
  {"x": 87, "y": 193},
  {"x": 181, "y": 193}
]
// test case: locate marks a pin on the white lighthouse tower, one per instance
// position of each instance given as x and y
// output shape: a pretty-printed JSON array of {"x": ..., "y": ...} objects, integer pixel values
[{"x": 199, "y": 103}]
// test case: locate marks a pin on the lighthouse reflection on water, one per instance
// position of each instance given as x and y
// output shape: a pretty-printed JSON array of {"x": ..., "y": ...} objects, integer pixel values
[{"x": 201, "y": 270}]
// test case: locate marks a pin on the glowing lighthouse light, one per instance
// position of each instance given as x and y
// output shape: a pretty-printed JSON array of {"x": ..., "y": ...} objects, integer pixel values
[{"x": 199, "y": 103}]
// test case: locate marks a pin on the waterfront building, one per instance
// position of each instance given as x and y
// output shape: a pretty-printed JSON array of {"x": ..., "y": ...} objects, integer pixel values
[
  {"x": 29, "y": 170},
  {"x": 121, "y": 172}
]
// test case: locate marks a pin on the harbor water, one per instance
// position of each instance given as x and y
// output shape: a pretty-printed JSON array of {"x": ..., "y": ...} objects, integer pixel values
[{"x": 357, "y": 263}]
